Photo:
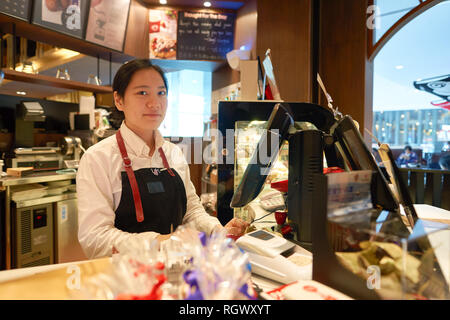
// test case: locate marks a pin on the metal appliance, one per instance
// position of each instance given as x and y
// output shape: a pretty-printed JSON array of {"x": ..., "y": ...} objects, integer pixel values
[
  {"x": 40, "y": 158},
  {"x": 28, "y": 113},
  {"x": 31, "y": 111},
  {"x": 33, "y": 236},
  {"x": 67, "y": 247},
  {"x": 50, "y": 158},
  {"x": 71, "y": 148}
]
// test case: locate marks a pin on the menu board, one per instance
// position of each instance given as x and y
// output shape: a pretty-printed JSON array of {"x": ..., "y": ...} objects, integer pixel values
[
  {"x": 205, "y": 36},
  {"x": 16, "y": 8},
  {"x": 107, "y": 23},
  {"x": 163, "y": 34},
  {"x": 65, "y": 16}
]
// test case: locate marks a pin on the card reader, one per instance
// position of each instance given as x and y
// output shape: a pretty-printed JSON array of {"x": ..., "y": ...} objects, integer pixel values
[{"x": 276, "y": 258}]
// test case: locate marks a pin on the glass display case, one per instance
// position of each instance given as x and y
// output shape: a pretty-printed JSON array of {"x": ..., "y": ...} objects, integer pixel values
[
  {"x": 391, "y": 259},
  {"x": 392, "y": 263},
  {"x": 247, "y": 135}
]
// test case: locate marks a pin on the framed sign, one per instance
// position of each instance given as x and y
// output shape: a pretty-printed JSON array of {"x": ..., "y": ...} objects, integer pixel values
[
  {"x": 107, "y": 23},
  {"x": 163, "y": 34},
  {"x": 65, "y": 16},
  {"x": 20, "y": 9},
  {"x": 205, "y": 36}
]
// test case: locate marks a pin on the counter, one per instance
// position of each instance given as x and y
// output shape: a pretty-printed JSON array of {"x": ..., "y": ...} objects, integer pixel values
[
  {"x": 38, "y": 177},
  {"x": 27, "y": 283}
]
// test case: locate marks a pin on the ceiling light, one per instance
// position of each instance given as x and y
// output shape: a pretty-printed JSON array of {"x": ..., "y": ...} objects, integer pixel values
[
  {"x": 22, "y": 93},
  {"x": 163, "y": 1},
  {"x": 207, "y": 4}
]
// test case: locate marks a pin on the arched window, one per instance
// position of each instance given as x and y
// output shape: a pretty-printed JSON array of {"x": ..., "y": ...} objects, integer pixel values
[{"x": 411, "y": 97}]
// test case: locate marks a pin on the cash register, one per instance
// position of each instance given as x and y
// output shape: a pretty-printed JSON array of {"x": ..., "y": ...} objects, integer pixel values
[{"x": 338, "y": 138}]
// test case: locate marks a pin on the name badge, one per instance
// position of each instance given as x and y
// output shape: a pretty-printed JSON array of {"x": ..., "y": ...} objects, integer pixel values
[{"x": 155, "y": 187}]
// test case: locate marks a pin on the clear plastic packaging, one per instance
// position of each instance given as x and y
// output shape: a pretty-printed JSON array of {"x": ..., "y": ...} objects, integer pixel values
[
  {"x": 136, "y": 273},
  {"x": 190, "y": 265},
  {"x": 219, "y": 269}
]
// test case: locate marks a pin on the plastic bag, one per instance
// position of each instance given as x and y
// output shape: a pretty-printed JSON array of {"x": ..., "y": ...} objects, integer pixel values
[{"x": 219, "y": 269}]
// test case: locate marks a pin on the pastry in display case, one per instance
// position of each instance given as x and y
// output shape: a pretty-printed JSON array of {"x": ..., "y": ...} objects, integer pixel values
[
  {"x": 395, "y": 259},
  {"x": 247, "y": 136},
  {"x": 395, "y": 266}
]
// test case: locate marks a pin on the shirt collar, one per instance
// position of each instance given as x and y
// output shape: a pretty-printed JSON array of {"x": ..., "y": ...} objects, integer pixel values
[{"x": 135, "y": 144}]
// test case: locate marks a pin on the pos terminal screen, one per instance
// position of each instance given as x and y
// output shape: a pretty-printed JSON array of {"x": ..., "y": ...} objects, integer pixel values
[{"x": 262, "y": 235}]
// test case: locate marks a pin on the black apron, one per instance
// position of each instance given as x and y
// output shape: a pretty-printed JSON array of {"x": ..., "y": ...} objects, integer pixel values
[{"x": 162, "y": 197}]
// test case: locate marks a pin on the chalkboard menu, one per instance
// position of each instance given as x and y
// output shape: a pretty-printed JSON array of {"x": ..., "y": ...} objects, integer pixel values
[
  {"x": 16, "y": 8},
  {"x": 205, "y": 36}
]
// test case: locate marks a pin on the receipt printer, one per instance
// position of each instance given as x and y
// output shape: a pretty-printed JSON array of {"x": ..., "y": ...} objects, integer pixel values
[{"x": 276, "y": 258}]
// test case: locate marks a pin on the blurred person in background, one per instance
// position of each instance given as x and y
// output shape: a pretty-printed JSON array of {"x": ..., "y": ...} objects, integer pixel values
[
  {"x": 444, "y": 162},
  {"x": 408, "y": 156}
]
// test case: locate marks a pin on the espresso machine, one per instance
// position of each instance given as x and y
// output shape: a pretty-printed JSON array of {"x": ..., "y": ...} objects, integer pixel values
[
  {"x": 66, "y": 155},
  {"x": 71, "y": 148}
]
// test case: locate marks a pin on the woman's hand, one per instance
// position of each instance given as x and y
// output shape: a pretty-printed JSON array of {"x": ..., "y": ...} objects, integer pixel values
[
  {"x": 236, "y": 227},
  {"x": 163, "y": 237}
]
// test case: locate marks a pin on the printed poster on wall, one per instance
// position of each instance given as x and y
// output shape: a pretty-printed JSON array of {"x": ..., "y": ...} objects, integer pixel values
[
  {"x": 163, "y": 34},
  {"x": 65, "y": 16},
  {"x": 107, "y": 23},
  {"x": 16, "y": 8}
]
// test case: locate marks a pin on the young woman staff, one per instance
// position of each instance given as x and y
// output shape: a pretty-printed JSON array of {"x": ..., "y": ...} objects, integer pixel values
[{"x": 135, "y": 183}]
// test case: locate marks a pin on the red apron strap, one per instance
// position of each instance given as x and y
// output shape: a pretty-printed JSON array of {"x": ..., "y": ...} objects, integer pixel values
[
  {"x": 131, "y": 177},
  {"x": 166, "y": 164}
]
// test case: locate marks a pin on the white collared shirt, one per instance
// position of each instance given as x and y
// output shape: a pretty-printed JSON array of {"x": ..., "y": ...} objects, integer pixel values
[{"x": 99, "y": 188}]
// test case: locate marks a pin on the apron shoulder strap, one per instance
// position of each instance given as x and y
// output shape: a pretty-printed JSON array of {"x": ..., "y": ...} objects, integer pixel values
[
  {"x": 164, "y": 159},
  {"x": 131, "y": 177}
]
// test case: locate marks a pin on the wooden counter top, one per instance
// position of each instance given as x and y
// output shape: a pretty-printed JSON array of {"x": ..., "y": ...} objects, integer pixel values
[{"x": 56, "y": 284}]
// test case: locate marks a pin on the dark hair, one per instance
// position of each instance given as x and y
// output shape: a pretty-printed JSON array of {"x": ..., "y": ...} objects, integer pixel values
[
  {"x": 408, "y": 148},
  {"x": 444, "y": 161},
  {"x": 126, "y": 72}
]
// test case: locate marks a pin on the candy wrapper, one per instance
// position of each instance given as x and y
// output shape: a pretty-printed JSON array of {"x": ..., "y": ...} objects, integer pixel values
[
  {"x": 136, "y": 273},
  {"x": 190, "y": 265},
  {"x": 219, "y": 270}
]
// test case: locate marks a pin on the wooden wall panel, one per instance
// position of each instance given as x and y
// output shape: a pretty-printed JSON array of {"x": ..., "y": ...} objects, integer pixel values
[
  {"x": 343, "y": 61},
  {"x": 286, "y": 28},
  {"x": 246, "y": 27},
  {"x": 137, "y": 38},
  {"x": 245, "y": 34}
]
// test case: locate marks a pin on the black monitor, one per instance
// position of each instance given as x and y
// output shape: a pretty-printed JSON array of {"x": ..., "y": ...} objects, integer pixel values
[
  {"x": 357, "y": 156},
  {"x": 255, "y": 175}
]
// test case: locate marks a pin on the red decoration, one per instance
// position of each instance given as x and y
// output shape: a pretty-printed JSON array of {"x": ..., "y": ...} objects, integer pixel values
[
  {"x": 286, "y": 229},
  {"x": 280, "y": 217},
  {"x": 268, "y": 93},
  {"x": 281, "y": 186},
  {"x": 332, "y": 170}
]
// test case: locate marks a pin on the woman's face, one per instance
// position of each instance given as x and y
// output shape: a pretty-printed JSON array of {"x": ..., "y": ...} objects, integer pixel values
[{"x": 145, "y": 100}]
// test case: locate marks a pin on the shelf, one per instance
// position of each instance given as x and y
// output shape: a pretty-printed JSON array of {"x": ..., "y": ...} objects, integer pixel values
[
  {"x": 37, "y": 33},
  {"x": 37, "y": 177},
  {"x": 52, "y": 81},
  {"x": 45, "y": 200}
]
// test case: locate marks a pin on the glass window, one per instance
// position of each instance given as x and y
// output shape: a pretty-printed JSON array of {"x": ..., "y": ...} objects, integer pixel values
[
  {"x": 390, "y": 12},
  {"x": 189, "y": 103},
  {"x": 412, "y": 84}
]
